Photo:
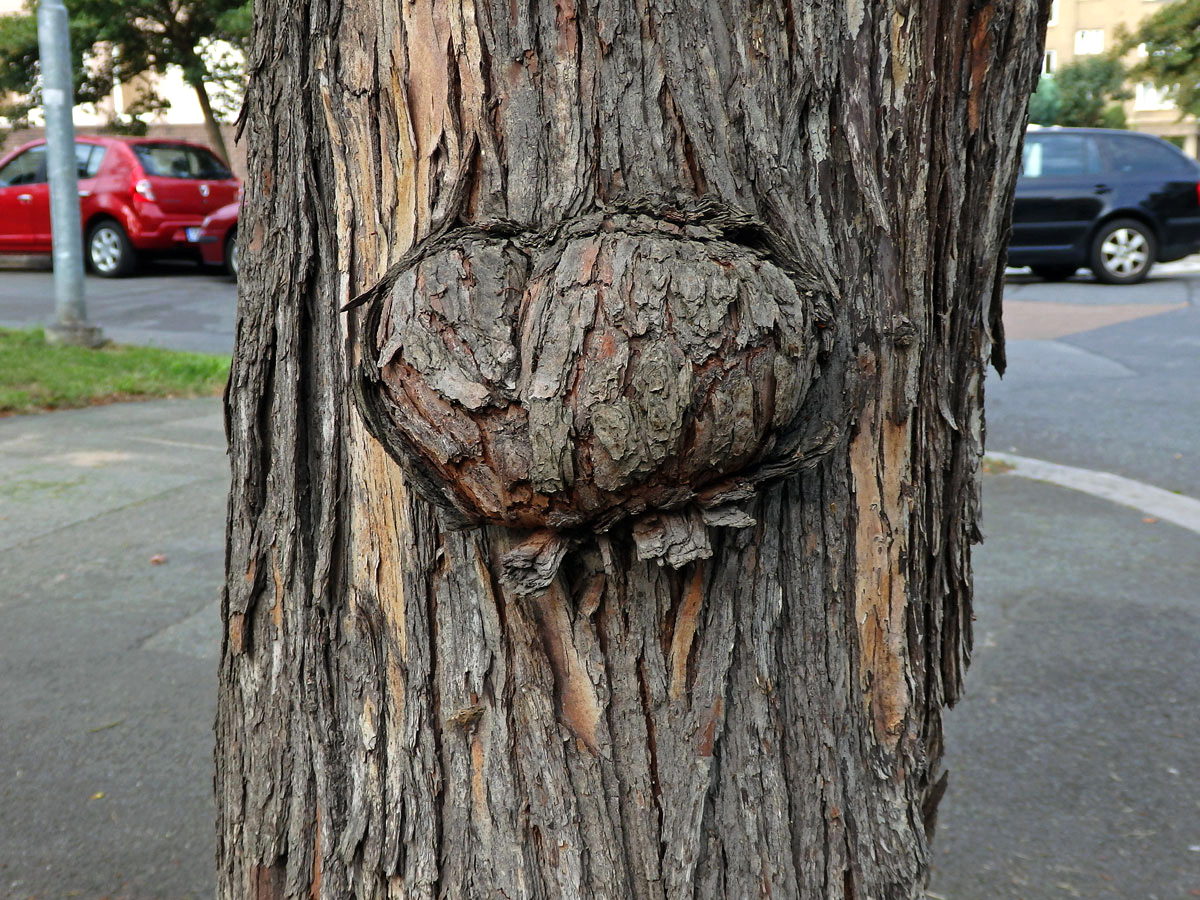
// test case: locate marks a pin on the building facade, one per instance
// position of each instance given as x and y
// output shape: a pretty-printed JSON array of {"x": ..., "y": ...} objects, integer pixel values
[
  {"x": 183, "y": 119},
  {"x": 1083, "y": 27}
]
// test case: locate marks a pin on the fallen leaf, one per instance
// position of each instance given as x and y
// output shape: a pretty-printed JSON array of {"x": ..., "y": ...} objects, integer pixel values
[
  {"x": 99, "y": 795},
  {"x": 1149, "y": 520},
  {"x": 158, "y": 559},
  {"x": 993, "y": 466}
]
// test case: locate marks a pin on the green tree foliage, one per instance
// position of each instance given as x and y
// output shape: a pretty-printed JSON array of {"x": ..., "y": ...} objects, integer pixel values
[
  {"x": 1172, "y": 60},
  {"x": 118, "y": 40},
  {"x": 1044, "y": 102},
  {"x": 1086, "y": 93}
]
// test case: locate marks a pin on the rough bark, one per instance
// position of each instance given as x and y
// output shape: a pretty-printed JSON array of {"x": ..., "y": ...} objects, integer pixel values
[{"x": 649, "y": 696}]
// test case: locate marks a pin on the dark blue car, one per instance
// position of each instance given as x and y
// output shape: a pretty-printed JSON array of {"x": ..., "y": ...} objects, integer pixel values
[{"x": 1114, "y": 201}]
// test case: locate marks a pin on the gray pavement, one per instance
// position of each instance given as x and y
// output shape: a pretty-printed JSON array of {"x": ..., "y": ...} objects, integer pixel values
[
  {"x": 111, "y": 557},
  {"x": 1072, "y": 757},
  {"x": 1124, "y": 399},
  {"x": 1073, "y": 763},
  {"x": 171, "y": 304}
]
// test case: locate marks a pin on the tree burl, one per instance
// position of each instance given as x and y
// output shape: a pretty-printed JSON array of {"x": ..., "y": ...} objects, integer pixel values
[{"x": 641, "y": 358}]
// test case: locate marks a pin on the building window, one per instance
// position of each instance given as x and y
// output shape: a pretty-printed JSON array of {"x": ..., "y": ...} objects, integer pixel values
[
  {"x": 1049, "y": 63},
  {"x": 1149, "y": 97},
  {"x": 1089, "y": 41},
  {"x": 1053, "y": 13}
]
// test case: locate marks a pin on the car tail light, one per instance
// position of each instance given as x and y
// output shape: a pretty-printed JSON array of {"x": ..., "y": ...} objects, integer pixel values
[
  {"x": 143, "y": 187},
  {"x": 1198, "y": 191}
]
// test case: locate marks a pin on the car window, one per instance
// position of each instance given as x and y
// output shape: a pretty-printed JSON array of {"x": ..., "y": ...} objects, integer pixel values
[
  {"x": 28, "y": 168},
  {"x": 1051, "y": 156},
  {"x": 87, "y": 159},
  {"x": 178, "y": 161},
  {"x": 1144, "y": 156}
]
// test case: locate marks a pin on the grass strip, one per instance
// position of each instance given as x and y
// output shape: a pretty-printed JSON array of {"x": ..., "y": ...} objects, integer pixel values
[{"x": 36, "y": 376}]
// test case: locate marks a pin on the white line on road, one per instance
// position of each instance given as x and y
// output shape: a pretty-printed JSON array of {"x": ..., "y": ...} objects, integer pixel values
[
  {"x": 1175, "y": 508},
  {"x": 186, "y": 444}
]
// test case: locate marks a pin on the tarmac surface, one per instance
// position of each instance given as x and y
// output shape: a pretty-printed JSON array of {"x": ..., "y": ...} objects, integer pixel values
[
  {"x": 1073, "y": 757},
  {"x": 111, "y": 557},
  {"x": 169, "y": 303}
]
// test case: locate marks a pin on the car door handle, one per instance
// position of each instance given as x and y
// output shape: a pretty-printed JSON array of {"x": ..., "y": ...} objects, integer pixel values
[
  {"x": 25, "y": 198},
  {"x": 1103, "y": 189}
]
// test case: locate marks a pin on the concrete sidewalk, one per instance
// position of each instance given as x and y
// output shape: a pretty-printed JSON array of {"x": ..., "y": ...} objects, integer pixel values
[
  {"x": 111, "y": 555},
  {"x": 1073, "y": 757}
]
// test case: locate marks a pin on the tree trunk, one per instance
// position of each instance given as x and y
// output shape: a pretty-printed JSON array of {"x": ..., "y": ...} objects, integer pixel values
[
  {"x": 616, "y": 542},
  {"x": 215, "y": 139}
]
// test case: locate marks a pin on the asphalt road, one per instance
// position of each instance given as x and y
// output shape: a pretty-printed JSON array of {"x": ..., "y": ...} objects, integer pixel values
[
  {"x": 167, "y": 304},
  {"x": 1072, "y": 757},
  {"x": 1123, "y": 398}
]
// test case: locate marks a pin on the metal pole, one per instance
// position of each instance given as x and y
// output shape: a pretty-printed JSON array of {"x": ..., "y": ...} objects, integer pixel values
[{"x": 58, "y": 96}]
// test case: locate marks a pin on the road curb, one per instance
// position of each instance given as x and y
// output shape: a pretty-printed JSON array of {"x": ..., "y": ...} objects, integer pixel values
[{"x": 1179, "y": 509}]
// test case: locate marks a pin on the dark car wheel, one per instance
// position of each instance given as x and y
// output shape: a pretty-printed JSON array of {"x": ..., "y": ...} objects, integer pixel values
[
  {"x": 1054, "y": 273},
  {"x": 1123, "y": 252},
  {"x": 232, "y": 261},
  {"x": 109, "y": 252}
]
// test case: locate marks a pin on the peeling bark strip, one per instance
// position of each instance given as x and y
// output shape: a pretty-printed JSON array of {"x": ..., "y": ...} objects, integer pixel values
[{"x": 709, "y": 283}]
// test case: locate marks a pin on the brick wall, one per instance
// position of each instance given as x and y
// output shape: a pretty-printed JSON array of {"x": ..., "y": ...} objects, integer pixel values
[{"x": 195, "y": 133}]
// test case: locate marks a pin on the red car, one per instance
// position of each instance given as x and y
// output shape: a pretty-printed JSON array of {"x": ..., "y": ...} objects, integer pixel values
[
  {"x": 135, "y": 195},
  {"x": 217, "y": 238}
]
